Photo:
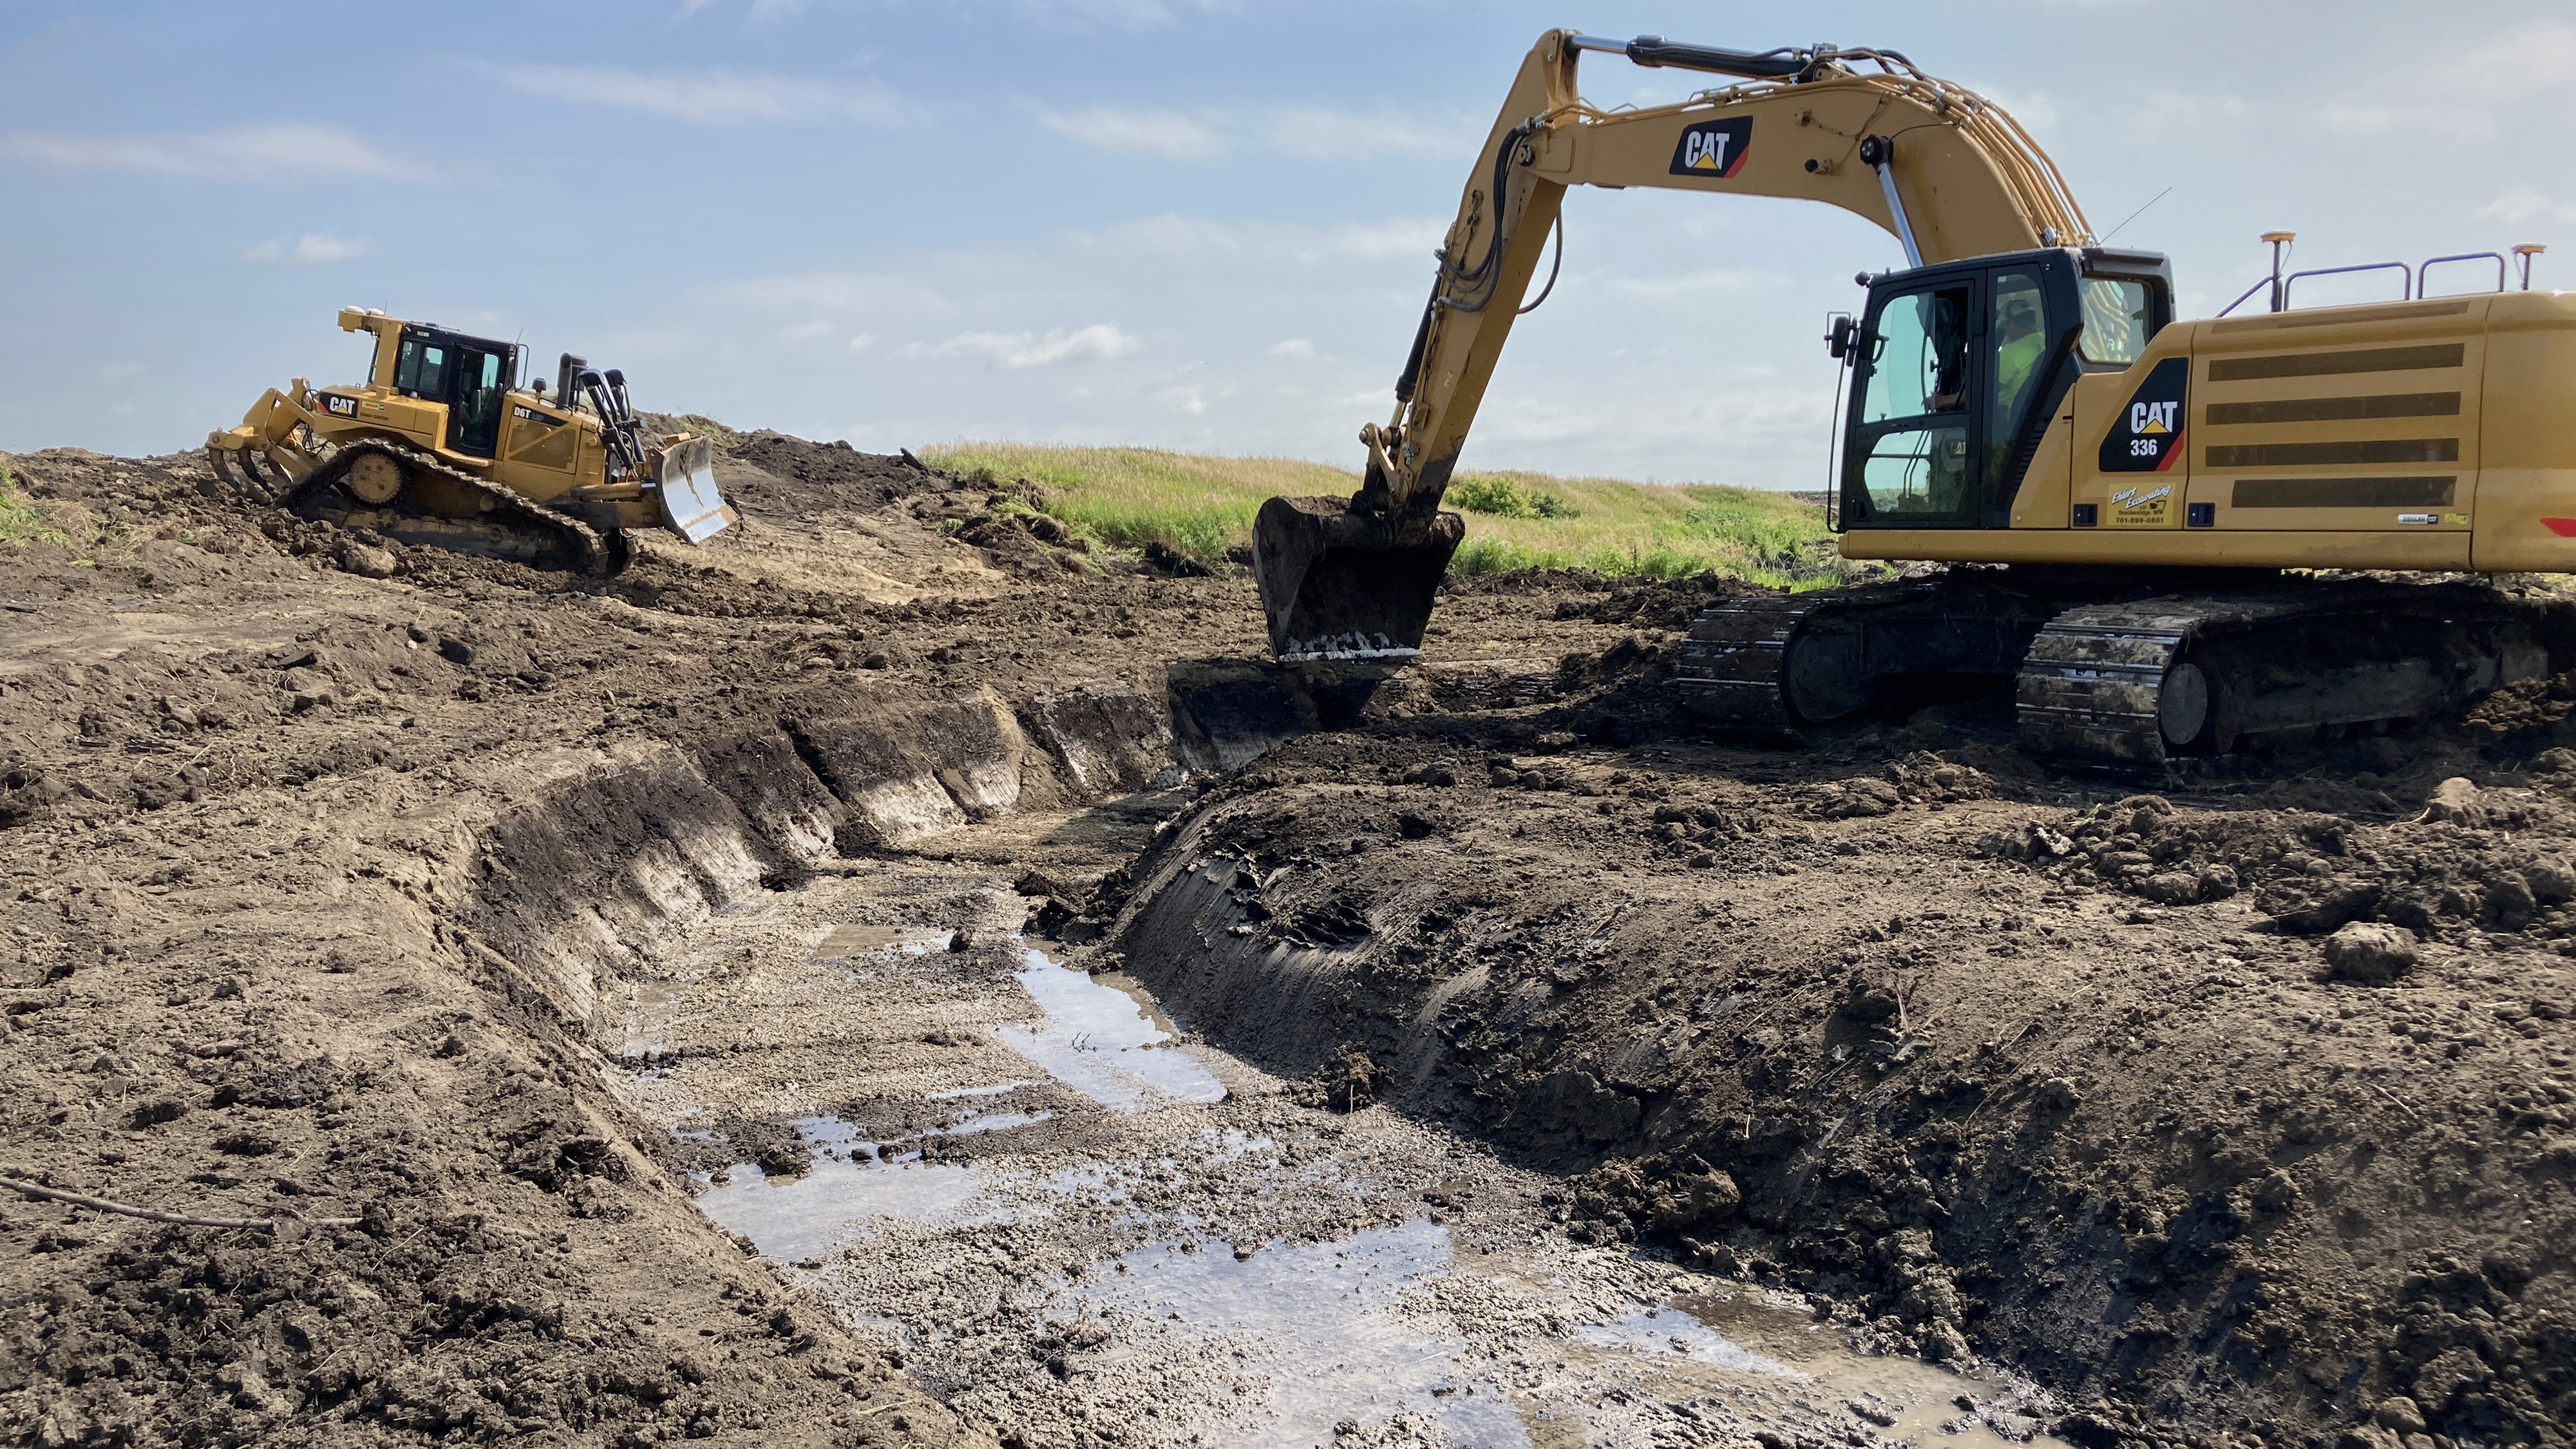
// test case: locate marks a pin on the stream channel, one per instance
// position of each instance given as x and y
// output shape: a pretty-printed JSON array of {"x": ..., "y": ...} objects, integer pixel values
[{"x": 1081, "y": 1225}]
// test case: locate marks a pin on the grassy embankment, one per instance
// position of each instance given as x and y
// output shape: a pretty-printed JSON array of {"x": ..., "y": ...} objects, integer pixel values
[
  {"x": 1201, "y": 506},
  {"x": 20, "y": 523}
]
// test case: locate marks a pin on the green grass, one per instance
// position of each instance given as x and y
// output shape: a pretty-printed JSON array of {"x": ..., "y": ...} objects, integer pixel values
[
  {"x": 1200, "y": 505},
  {"x": 20, "y": 522}
]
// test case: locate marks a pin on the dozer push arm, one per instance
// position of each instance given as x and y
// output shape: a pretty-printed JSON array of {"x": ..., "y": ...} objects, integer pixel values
[{"x": 1947, "y": 172}]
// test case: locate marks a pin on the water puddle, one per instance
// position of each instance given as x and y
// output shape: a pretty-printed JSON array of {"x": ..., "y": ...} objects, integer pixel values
[
  {"x": 1900, "y": 1399},
  {"x": 1099, "y": 1042},
  {"x": 651, "y": 1008},
  {"x": 807, "y": 1217},
  {"x": 1654, "y": 1331},
  {"x": 1316, "y": 1333},
  {"x": 851, "y": 1181}
]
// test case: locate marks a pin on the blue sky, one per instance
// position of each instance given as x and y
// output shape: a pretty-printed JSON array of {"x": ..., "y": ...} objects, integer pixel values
[{"x": 1196, "y": 225}]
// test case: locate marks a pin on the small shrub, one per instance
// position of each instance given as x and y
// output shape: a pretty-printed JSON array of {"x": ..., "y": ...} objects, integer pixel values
[
  {"x": 22, "y": 522},
  {"x": 1505, "y": 495}
]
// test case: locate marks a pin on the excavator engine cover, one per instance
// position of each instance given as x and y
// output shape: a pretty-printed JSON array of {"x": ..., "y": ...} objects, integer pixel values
[
  {"x": 691, "y": 507},
  {"x": 1336, "y": 584}
]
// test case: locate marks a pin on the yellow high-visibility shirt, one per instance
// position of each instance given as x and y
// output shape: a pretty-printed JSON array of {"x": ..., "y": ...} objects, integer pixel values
[{"x": 2013, "y": 362}]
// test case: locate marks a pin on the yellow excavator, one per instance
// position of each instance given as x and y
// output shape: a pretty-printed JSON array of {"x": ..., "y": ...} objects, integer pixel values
[
  {"x": 2176, "y": 538},
  {"x": 442, "y": 447}
]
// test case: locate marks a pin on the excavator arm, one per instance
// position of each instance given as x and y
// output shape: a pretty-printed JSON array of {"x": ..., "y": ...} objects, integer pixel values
[{"x": 1947, "y": 172}]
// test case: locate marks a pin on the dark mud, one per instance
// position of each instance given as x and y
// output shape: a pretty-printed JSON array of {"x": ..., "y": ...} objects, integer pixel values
[
  {"x": 340, "y": 896},
  {"x": 2033, "y": 1068}
]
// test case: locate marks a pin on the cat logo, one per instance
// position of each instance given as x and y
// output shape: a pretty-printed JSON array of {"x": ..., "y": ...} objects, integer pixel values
[
  {"x": 1713, "y": 150},
  {"x": 340, "y": 407},
  {"x": 2146, "y": 437}
]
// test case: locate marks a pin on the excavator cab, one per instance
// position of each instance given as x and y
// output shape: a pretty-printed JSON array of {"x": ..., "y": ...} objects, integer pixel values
[{"x": 1957, "y": 368}]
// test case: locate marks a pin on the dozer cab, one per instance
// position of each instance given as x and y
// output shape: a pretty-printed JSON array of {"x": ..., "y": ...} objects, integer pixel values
[
  {"x": 443, "y": 447},
  {"x": 2145, "y": 517}
]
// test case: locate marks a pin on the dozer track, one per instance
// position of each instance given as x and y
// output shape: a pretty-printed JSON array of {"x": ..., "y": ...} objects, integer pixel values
[
  {"x": 447, "y": 508},
  {"x": 2122, "y": 682}
]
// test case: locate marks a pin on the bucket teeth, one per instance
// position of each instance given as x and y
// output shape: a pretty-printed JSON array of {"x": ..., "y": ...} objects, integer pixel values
[{"x": 1337, "y": 584}]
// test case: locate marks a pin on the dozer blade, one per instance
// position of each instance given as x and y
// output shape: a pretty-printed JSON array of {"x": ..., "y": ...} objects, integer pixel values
[
  {"x": 690, "y": 503},
  {"x": 1342, "y": 585}
]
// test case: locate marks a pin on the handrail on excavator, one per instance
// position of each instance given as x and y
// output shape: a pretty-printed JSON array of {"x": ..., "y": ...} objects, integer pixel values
[
  {"x": 2405, "y": 293},
  {"x": 2424, "y": 271}
]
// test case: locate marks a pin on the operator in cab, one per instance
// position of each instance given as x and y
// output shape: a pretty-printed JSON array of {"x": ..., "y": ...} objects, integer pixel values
[{"x": 2017, "y": 324}]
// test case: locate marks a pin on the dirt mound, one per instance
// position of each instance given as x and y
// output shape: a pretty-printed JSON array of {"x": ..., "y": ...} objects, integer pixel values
[{"x": 779, "y": 476}]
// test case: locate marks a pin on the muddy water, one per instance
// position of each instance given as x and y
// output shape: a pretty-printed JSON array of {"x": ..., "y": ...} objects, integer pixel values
[{"x": 1083, "y": 1227}]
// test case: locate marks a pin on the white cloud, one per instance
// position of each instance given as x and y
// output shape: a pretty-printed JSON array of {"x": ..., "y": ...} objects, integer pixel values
[
  {"x": 1707, "y": 282},
  {"x": 1181, "y": 236},
  {"x": 1013, "y": 351},
  {"x": 2525, "y": 203},
  {"x": 1168, "y": 134},
  {"x": 874, "y": 293},
  {"x": 758, "y": 10},
  {"x": 2034, "y": 109},
  {"x": 2539, "y": 59},
  {"x": 863, "y": 342},
  {"x": 236, "y": 153},
  {"x": 714, "y": 97},
  {"x": 307, "y": 250},
  {"x": 1301, "y": 348},
  {"x": 805, "y": 331},
  {"x": 1122, "y": 14},
  {"x": 1319, "y": 133},
  {"x": 1188, "y": 399}
]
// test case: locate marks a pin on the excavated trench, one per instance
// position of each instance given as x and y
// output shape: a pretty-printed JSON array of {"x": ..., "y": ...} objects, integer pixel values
[
  {"x": 809, "y": 958},
  {"x": 1363, "y": 1106}
]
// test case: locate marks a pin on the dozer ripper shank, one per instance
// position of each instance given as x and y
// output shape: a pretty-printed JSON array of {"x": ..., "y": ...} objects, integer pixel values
[{"x": 442, "y": 447}]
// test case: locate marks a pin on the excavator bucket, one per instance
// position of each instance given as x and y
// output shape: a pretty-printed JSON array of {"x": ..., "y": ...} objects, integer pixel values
[
  {"x": 690, "y": 503},
  {"x": 1342, "y": 585}
]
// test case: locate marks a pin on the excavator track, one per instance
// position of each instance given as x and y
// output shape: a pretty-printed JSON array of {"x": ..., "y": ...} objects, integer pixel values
[
  {"x": 1776, "y": 665},
  {"x": 2114, "y": 672},
  {"x": 2146, "y": 682},
  {"x": 447, "y": 508}
]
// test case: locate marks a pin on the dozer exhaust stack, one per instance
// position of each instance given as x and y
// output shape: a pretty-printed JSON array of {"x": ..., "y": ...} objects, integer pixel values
[{"x": 1343, "y": 584}]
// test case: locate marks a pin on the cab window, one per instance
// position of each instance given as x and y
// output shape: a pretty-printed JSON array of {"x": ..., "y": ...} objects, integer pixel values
[
  {"x": 2016, "y": 337},
  {"x": 476, "y": 424},
  {"x": 1907, "y": 461},
  {"x": 1918, "y": 357},
  {"x": 422, "y": 367},
  {"x": 2116, "y": 320}
]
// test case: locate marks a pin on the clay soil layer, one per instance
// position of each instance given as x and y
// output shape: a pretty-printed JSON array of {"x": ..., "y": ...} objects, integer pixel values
[{"x": 403, "y": 918}]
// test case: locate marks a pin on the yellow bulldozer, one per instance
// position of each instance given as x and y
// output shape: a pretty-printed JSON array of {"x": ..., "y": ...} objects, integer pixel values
[
  {"x": 2172, "y": 537},
  {"x": 442, "y": 447}
]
